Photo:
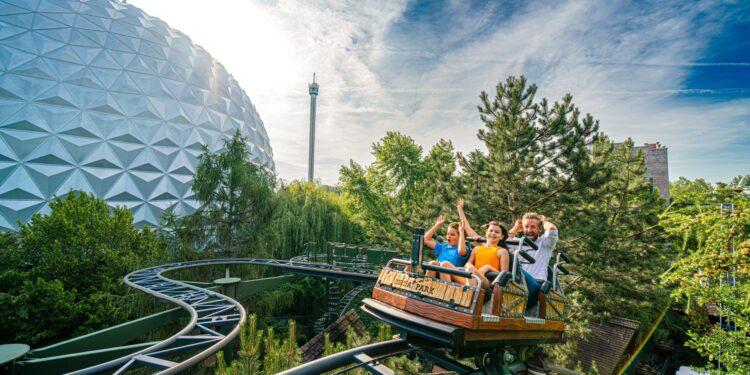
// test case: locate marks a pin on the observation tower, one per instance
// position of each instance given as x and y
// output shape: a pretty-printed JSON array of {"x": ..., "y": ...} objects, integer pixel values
[{"x": 313, "y": 90}]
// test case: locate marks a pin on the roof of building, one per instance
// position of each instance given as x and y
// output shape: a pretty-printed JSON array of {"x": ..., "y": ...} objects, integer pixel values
[{"x": 607, "y": 344}]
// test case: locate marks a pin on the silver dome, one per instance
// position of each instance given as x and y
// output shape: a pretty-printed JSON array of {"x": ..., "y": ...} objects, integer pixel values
[{"x": 97, "y": 95}]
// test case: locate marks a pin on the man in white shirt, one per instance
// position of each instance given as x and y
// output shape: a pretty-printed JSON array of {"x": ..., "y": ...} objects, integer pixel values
[{"x": 532, "y": 224}]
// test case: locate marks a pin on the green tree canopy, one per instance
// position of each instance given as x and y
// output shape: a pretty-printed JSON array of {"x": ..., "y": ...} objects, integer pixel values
[
  {"x": 62, "y": 273},
  {"x": 539, "y": 156},
  {"x": 712, "y": 235}
]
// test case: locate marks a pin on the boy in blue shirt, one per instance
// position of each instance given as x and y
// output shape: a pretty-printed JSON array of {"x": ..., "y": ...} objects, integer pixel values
[{"x": 448, "y": 254}]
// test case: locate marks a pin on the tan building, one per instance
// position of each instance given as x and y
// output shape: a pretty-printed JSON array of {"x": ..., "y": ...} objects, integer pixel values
[{"x": 657, "y": 166}]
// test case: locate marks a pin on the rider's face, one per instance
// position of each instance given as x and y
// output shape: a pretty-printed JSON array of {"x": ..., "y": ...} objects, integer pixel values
[
  {"x": 452, "y": 237},
  {"x": 531, "y": 228},
  {"x": 494, "y": 234}
]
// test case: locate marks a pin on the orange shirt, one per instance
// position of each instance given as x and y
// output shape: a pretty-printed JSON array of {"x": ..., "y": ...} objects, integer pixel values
[{"x": 484, "y": 255}]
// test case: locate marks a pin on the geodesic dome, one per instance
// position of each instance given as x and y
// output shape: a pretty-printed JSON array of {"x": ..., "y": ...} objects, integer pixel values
[{"x": 97, "y": 95}]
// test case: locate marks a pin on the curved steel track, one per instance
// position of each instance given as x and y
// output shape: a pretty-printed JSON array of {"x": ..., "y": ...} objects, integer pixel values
[{"x": 215, "y": 319}]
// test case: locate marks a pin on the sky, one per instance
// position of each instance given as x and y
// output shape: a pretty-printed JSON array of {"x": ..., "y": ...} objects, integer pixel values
[{"x": 674, "y": 72}]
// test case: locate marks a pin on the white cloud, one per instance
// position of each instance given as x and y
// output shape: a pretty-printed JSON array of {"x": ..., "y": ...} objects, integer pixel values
[{"x": 622, "y": 64}]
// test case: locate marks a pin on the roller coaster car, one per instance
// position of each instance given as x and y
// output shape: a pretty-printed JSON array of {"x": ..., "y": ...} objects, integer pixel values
[{"x": 467, "y": 318}]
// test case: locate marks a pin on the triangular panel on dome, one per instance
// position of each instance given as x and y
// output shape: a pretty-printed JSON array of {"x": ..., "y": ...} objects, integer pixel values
[
  {"x": 146, "y": 130},
  {"x": 151, "y": 215},
  {"x": 165, "y": 145},
  {"x": 57, "y": 7},
  {"x": 51, "y": 152},
  {"x": 25, "y": 39},
  {"x": 104, "y": 22},
  {"x": 182, "y": 159},
  {"x": 79, "y": 147},
  {"x": 147, "y": 182},
  {"x": 19, "y": 185},
  {"x": 147, "y": 83},
  {"x": 85, "y": 23},
  {"x": 25, "y": 20},
  {"x": 102, "y": 9},
  {"x": 59, "y": 95},
  {"x": 24, "y": 125},
  {"x": 101, "y": 162},
  {"x": 132, "y": 44},
  {"x": 13, "y": 57},
  {"x": 37, "y": 68},
  {"x": 8, "y": 108},
  {"x": 22, "y": 142},
  {"x": 65, "y": 53},
  {"x": 126, "y": 152},
  {"x": 95, "y": 38},
  {"x": 6, "y": 155},
  {"x": 176, "y": 88},
  {"x": 45, "y": 44},
  {"x": 181, "y": 185},
  {"x": 8, "y": 223},
  {"x": 51, "y": 118},
  {"x": 8, "y": 31},
  {"x": 196, "y": 140},
  {"x": 105, "y": 104},
  {"x": 85, "y": 77},
  {"x": 87, "y": 38},
  {"x": 193, "y": 112},
  {"x": 115, "y": 44},
  {"x": 87, "y": 53},
  {"x": 60, "y": 35},
  {"x": 121, "y": 27},
  {"x": 45, "y": 20},
  {"x": 76, "y": 181},
  {"x": 101, "y": 179},
  {"x": 156, "y": 35},
  {"x": 124, "y": 189},
  {"x": 20, "y": 210},
  {"x": 106, "y": 76},
  {"x": 49, "y": 177},
  {"x": 149, "y": 161},
  {"x": 162, "y": 105},
  {"x": 153, "y": 50},
  {"x": 15, "y": 8},
  {"x": 125, "y": 83}
]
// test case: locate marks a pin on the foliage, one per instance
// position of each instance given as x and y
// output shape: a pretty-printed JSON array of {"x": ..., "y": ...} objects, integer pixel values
[
  {"x": 399, "y": 364},
  {"x": 234, "y": 194},
  {"x": 384, "y": 195},
  {"x": 540, "y": 156},
  {"x": 295, "y": 299},
  {"x": 61, "y": 272},
  {"x": 711, "y": 229},
  {"x": 246, "y": 213},
  {"x": 259, "y": 355}
]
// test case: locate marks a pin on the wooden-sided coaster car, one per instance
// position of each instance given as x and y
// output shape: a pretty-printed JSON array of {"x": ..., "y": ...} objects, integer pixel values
[{"x": 462, "y": 317}]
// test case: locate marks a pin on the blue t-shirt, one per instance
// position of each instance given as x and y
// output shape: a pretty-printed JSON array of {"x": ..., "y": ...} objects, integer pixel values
[{"x": 450, "y": 253}]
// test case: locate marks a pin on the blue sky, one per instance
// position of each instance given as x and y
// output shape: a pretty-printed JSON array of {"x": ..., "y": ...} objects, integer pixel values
[{"x": 656, "y": 71}]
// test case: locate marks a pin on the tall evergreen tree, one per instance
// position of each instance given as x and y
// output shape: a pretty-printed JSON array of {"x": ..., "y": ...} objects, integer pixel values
[{"x": 539, "y": 157}]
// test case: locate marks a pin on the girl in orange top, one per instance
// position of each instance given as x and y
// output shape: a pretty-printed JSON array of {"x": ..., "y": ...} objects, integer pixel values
[{"x": 492, "y": 256}]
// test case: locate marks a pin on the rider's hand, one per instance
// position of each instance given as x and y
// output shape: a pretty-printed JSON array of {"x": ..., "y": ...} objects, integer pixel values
[
  {"x": 460, "y": 203},
  {"x": 440, "y": 220}
]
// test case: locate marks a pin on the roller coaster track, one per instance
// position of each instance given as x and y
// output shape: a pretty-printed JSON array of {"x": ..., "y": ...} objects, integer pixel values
[{"x": 215, "y": 319}]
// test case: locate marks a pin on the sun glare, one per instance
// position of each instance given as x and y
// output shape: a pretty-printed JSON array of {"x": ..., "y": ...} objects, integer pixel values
[{"x": 238, "y": 34}]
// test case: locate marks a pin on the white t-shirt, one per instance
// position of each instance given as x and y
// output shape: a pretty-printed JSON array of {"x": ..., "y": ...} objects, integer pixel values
[{"x": 546, "y": 244}]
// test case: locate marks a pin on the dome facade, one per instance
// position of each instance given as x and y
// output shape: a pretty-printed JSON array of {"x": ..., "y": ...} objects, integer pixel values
[{"x": 97, "y": 95}]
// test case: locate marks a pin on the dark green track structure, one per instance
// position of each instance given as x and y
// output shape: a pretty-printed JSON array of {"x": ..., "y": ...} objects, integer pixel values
[{"x": 214, "y": 318}]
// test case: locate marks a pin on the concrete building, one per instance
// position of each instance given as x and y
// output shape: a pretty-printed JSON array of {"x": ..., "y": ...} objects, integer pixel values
[{"x": 657, "y": 166}]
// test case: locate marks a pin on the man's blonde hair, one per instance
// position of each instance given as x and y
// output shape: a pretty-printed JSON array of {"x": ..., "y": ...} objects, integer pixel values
[{"x": 533, "y": 215}]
